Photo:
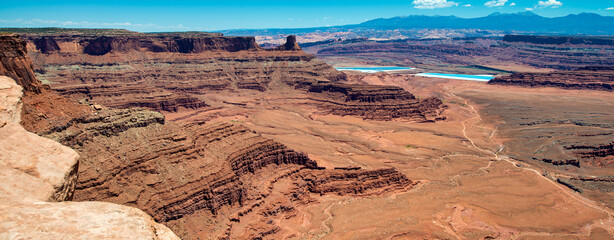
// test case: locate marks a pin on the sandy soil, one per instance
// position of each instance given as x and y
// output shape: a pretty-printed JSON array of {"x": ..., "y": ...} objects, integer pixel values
[{"x": 468, "y": 190}]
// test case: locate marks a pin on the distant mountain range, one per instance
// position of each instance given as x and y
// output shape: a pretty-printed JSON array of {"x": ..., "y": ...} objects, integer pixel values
[{"x": 583, "y": 23}]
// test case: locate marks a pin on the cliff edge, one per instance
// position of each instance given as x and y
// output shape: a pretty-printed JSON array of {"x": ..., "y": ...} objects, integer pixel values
[{"x": 39, "y": 174}]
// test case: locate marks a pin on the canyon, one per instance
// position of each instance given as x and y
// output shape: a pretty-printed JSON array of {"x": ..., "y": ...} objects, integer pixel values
[
  {"x": 217, "y": 138},
  {"x": 184, "y": 173},
  {"x": 592, "y": 77},
  {"x": 39, "y": 177}
]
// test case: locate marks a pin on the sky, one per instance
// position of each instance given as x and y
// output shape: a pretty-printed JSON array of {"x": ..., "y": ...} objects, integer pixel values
[{"x": 205, "y": 15}]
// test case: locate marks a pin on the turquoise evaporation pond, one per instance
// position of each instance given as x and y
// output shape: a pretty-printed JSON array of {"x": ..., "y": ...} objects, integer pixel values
[
  {"x": 457, "y": 76},
  {"x": 373, "y": 69}
]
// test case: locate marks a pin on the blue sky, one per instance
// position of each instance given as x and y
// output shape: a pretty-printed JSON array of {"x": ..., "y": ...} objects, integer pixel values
[{"x": 207, "y": 15}]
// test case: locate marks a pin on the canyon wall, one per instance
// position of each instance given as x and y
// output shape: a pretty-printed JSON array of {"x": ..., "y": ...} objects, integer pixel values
[
  {"x": 201, "y": 179},
  {"x": 182, "y": 173},
  {"x": 594, "y": 78},
  {"x": 39, "y": 175},
  {"x": 129, "y": 71},
  {"x": 375, "y": 102},
  {"x": 559, "y": 40},
  {"x": 101, "y": 45},
  {"x": 13, "y": 63},
  {"x": 137, "y": 75},
  {"x": 561, "y": 53}
]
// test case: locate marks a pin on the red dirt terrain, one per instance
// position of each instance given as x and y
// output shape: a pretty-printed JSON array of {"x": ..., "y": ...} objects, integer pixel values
[
  {"x": 280, "y": 145},
  {"x": 184, "y": 173}
]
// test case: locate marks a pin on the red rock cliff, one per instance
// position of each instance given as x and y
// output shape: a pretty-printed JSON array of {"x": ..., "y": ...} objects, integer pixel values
[
  {"x": 595, "y": 78},
  {"x": 15, "y": 64}
]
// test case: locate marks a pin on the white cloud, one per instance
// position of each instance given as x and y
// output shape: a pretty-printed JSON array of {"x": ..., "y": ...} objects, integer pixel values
[
  {"x": 432, "y": 4},
  {"x": 610, "y": 8},
  {"x": 467, "y": 5},
  {"x": 495, "y": 3},
  {"x": 549, "y": 3},
  {"x": 512, "y": 4},
  {"x": 82, "y": 24},
  {"x": 529, "y": 9}
]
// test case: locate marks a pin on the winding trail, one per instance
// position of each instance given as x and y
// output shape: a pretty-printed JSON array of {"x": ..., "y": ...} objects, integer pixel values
[
  {"x": 325, "y": 229},
  {"x": 573, "y": 195}
]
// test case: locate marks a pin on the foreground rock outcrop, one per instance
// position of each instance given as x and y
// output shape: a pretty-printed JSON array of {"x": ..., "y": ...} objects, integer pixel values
[
  {"x": 83, "y": 220},
  {"x": 592, "y": 77},
  {"x": 35, "y": 172}
]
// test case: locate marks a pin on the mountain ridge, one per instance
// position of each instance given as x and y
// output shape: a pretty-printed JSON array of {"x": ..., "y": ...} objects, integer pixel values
[{"x": 581, "y": 23}]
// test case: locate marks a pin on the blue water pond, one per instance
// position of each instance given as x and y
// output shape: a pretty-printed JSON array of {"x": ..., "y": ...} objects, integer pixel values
[
  {"x": 457, "y": 76},
  {"x": 373, "y": 69}
]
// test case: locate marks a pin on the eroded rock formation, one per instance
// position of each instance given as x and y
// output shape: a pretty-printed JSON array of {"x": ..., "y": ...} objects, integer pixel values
[
  {"x": 290, "y": 45},
  {"x": 178, "y": 173},
  {"x": 144, "y": 77},
  {"x": 374, "y": 102},
  {"x": 101, "y": 45},
  {"x": 14, "y": 63},
  {"x": 42, "y": 108},
  {"x": 562, "y": 53},
  {"x": 594, "y": 78},
  {"x": 344, "y": 181},
  {"x": 128, "y": 71},
  {"x": 198, "y": 175},
  {"x": 46, "y": 44},
  {"x": 559, "y": 40},
  {"x": 597, "y": 155},
  {"x": 36, "y": 172}
]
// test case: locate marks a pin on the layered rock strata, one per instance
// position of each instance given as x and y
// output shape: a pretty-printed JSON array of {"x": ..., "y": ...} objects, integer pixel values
[
  {"x": 191, "y": 176},
  {"x": 403, "y": 50},
  {"x": 14, "y": 63},
  {"x": 38, "y": 174},
  {"x": 344, "y": 181},
  {"x": 594, "y": 78},
  {"x": 130, "y": 75},
  {"x": 290, "y": 45},
  {"x": 562, "y": 54},
  {"x": 559, "y": 40},
  {"x": 600, "y": 155},
  {"x": 163, "y": 81},
  {"x": 374, "y": 102},
  {"x": 42, "y": 108},
  {"x": 177, "y": 172},
  {"x": 101, "y": 45}
]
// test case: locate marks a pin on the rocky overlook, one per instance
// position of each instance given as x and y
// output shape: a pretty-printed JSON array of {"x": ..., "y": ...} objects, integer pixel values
[{"x": 39, "y": 177}]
